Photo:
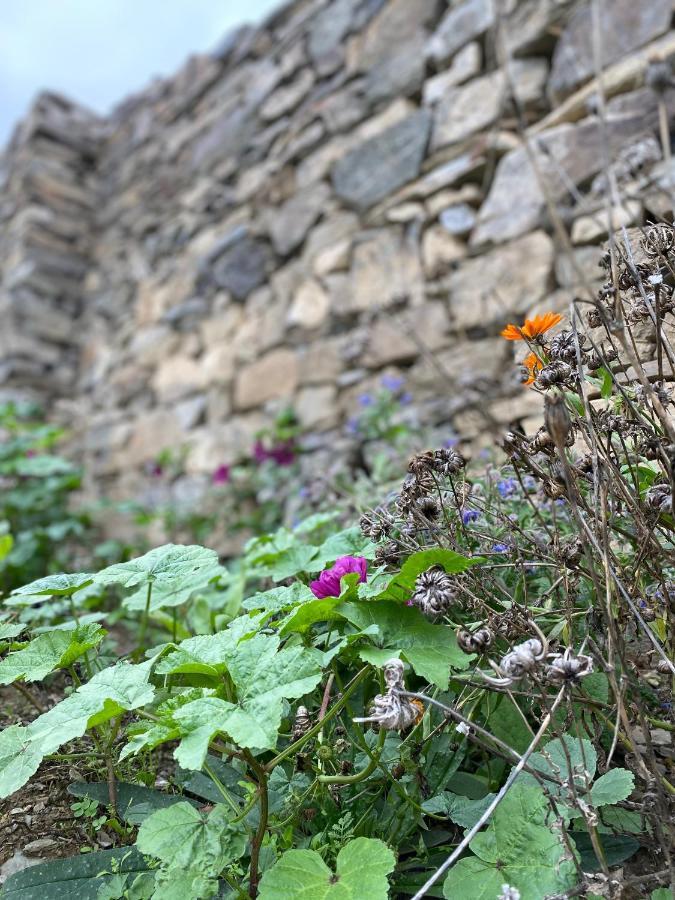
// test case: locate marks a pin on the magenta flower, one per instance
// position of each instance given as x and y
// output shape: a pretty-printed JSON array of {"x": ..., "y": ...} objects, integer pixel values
[
  {"x": 221, "y": 475},
  {"x": 283, "y": 454},
  {"x": 328, "y": 583}
]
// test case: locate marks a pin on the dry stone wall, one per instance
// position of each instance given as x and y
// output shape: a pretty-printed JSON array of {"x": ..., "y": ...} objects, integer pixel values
[{"x": 356, "y": 187}]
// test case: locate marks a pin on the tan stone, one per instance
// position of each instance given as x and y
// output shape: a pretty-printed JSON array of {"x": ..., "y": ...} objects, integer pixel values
[
  {"x": 320, "y": 361},
  {"x": 177, "y": 377},
  {"x": 385, "y": 269},
  {"x": 221, "y": 327},
  {"x": 273, "y": 376},
  {"x": 399, "y": 338},
  {"x": 212, "y": 445},
  {"x": 310, "y": 307},
  {"x": 316, "y": 406},
  {"x": 503, "y": 282},
  {"x": 155, "y": 431},
  {"x": 155, "y": 296},
  {"x": 463, "y": 364},
  {"x": 587, "y": 229},
  {"x": 440, "y": 251},
  {"x": 468, "y": 193},
  {"x": 217, "y": 364},
  {"x": 465, "y": 65},
  {"x": 332, "y": 259}
]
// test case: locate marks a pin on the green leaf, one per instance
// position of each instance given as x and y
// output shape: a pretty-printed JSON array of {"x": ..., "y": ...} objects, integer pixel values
[
  {"x": 401, "y": 585},
  {"x": 661, "y": 894},
  {"x": 163, "y": 564},
  {"x": 264, "y": 676},
  {"x": 403, "y": 631},
  {"x": 42, "y": 466},
  {"x": 462, "y": 810},
  {"x": 350, "y": 542},
  {"x": 182, "y": 836},
  {"x": 361, "y": 871},
  {"x": 616, "y": 848},
  {"x": 612, "y": 787},
  {"x": 6, "y": 544},
  {"x": 506, "y": 723},
  {"x": 77, "y": 878},
  {"x": 307, "y": 614},
  {"x": 22, "y": 748},
  {"x": 175, "y": 590},
  {"x": 49, "y": 651},
  {"x": 279, "y": 598},
  {"x": 575, "y": 761},
  {"x": 518, "y": 848},
  {"x": 9, "y": 630},
  {"x": 606, "y": 383},
  {"x": 291, "y": 562},
  {"x": 59, "y": 585},
  {"x": 134, "y": 802}
]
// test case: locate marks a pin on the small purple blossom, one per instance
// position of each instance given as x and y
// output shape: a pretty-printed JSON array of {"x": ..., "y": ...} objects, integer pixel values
[
  {"x": 328, "y": 583},
  {"x": 451, "y": 442},
  {"x": 221, "y": 475},
  {"x": 283, "y": 453},
  {"x": 500, "y": 548},
  {"x": 353, "y": 425},
  {"x": 392, "y": 383},
  {"x": 470, "y": 515},
  {"x": 365, "y": 400},
  {"x": 507, "y": 487},
  {"x": 405, "y": 399}
]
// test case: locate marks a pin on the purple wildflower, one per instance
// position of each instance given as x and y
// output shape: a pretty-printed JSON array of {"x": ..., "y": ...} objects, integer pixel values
[
  {"x": 392, "y": 383},
  {"x": 451, "y": 442},
  {"x": 328, "y": 583},
  {"x": 507, "y": 487},
  {"x": 405, "y": 399},
  {"x": 283, "y": 454},
  {"x": 500, "y": 548},
  {"x": 470, "y": 515},
  {"x": 221, "y": 475},
  {"x": 365, "y": 400},
  {"x": 353, "y": 425}
]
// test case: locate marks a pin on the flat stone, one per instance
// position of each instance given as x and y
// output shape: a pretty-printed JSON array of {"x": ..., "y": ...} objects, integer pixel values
[
  {"x": 243, "y": 266},
  {"x": 624, "y": 26},
  {"x": 389, "y": 29},
  {"x": 590, "y": 228},
  {"x": 320, "y": 361},
  {"x": 398, "y": 340},
  {"x": 288, "y": 224},
  {"x": 327, "y": 32},
  {"x": 467, "y": 109},
  {"x": 462, "y": 23},
  {"x": 310, "y": 307},
  {"x": 285, "y": 99},
  {"x": 489, "y": 288},
  {"x": 16, "y": 863},
  {"x": 582, "y": 267},
  {"x": 385, "y": 269},
  {"x": 381, "y": 165},
  {"x": 440, "y": 251},
  {"x": 316, "y": 407},
  {"x": 176, "y": 377},
  {"x": 190, "y": 412},
  {"x": 271, "y": 377},
  {"x": 465, "y": 65},
  {"x": 458, "y": 218},
  {"x": 157, "y": 430},
  {"x": 217, "y": 364}
]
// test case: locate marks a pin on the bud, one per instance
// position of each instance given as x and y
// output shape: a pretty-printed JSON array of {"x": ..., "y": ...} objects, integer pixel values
[{"x": 557, "y": 419}]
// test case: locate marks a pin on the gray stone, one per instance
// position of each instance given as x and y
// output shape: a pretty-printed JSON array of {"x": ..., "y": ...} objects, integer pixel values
[
  {"x": 461, "y": 24},
  {"x": 287, "y": 97},
  {"x": 389, "y": 29},
  {"x": 400, "y": 74},
  {"x": 458, "y": 219},
  {"x": 381, "y": 165},
  {"x": 289, "y": 223},
  {"x": 328, "y": 30},
  {"x": 190, "y": 412},
  {"x": 243, "y": 266},
  {"x": 624, "y": 26}
]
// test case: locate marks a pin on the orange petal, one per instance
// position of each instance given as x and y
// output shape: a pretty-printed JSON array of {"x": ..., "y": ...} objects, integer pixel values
[{"x": 512, "y": 333}]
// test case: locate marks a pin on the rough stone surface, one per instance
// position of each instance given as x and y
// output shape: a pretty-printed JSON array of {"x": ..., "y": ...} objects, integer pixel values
[
  {"x": 624, "y": 25},
  {"x": 380, "y": 166},
  {"x": 339, "y": 192}
]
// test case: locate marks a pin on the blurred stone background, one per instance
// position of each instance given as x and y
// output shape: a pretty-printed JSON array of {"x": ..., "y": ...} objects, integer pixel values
[{"x": 353, "y": 188}]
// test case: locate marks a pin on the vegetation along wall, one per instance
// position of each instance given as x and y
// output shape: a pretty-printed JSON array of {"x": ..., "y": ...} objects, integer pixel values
[{"x": 354, "y": 189}]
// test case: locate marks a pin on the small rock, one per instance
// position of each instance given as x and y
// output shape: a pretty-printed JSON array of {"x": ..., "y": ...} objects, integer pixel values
[
  {"x": 286, "y": 98},
  {"x": 273, "y": 376},
  {"x": 440, "y": 251},
  {"x": 243, "y": 266},
  {"x": 40, "y": 845},
  {"x": 464, "y": 66},
  {"x": 458, "y": 219},
  {"x": 467, "y": 109},
  {"x": 464, "y": 22},
  {"x": 310, "y": 306},
  {"x": 289, "y": 223}
]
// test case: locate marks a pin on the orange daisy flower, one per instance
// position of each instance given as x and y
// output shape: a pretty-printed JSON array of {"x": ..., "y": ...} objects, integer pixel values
[
  {"x": 532, "y": 328},
  {"x": 533, "y": 365}
]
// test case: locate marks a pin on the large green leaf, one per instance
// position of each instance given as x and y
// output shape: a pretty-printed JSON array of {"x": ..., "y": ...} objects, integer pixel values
[
  {"x": 60, "y": 585},
  {"x": 349, "y": 542},
  {"x": 49, "y": 651},
  {"x": 462, "y": 810},
  {"x": 403, "y": 631},
  {"x": 175, "y": 590},
  {"x": 160, "y": 566},
  {"x": 279, "y": 598},
  {"x": 263, "y": 676},
  {"x": 77, "y": 878},
  {"x": 22, "y": 748},
  {"x": 516, "y": 849},
  {"x": 182, "y": 836},
  {"x": 612, "y": 787},
  {"x": 566, "y": 760},
  {"x": 134, "y": 801},
  {"x": 361, "y": 871},
  {"x": 402, "y": 584}
]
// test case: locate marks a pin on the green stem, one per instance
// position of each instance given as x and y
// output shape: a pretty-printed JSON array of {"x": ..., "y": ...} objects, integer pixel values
[
  {"x": 145, "y": 619},
  {"x": 364, "y": 773},
  {"x": 256, "y": 843},
  {"x": 315, "y": 729}
]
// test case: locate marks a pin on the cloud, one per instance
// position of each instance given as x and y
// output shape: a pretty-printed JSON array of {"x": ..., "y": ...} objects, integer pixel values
[{"x": 98, "y": 51}]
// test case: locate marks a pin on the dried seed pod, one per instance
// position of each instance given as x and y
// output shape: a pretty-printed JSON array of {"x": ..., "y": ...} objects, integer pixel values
[
  {"x": 571, "y": 553},
  {"x": 448, "y": 461},
  {"x": 393, "y": 673},
  {"x": 421, "y": 463},
  {"x": 557, "y": 372},
  {"x": 376, "y": 525},
  {"x": 663, "y": 667},
  {"x": 398, "y": 771},
  {"x": 475, "y": 641},
  {"x": 658, "y": 240},
  {"x": 659, "y": 497},
  {"x": 392, "y": 712},
  {"x": 522, "y": 660},
  {"x": 563, "y": 347},
  {"x": 389, "y": 554},
  {"x": 598, "y": 359},
  {"x": 301, "y": 724},
  {"x": 346, "y": 766},
  {"x": 434, "y": 591},
  {"x": 594, "y": 318},
  {"x": 429, "y": 507},
  {"x": 568, "y": 667},
  {"x": 557, "y": 419}
]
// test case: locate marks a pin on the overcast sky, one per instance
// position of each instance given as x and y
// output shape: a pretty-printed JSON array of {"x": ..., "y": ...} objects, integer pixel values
[{"x": 98, "y": 51}]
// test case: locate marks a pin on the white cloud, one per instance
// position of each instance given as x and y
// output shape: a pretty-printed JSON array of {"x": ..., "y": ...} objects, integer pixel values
[{"x": 98, "y": 51}]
